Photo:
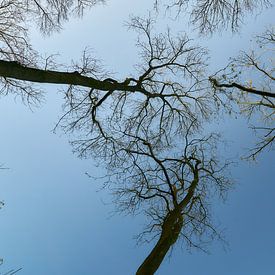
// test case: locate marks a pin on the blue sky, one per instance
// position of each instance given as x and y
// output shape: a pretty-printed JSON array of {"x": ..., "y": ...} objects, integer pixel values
[{"x": 56, "y": 222}]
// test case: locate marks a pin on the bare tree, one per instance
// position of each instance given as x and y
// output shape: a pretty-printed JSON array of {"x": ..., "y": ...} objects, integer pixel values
[
  {"x": 51, "y": 14},
  {"x": 173, "y": 187},
  {"x": 167, "y": 91},
  {"x": 136, "y": 124},
  {"x": 169, "y": 86},
  {"x": 137, "y": 133},
  {"x": 15, "y": 46},
  {"x": 209, "y": 16},
  {"x": 15, "y": 17},
  {"x": 249, "y": 80}
]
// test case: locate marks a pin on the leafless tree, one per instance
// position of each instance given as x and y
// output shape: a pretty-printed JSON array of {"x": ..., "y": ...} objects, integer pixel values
[
  {"x": 135, "y": 123},
  {"x": 211, "y": 15},
  {"x": 249, "y": 80},
  {"x": 138, "y": 124},
  {"x": 167, "y": 90},
  {"x": 165, "y": 93},
  {"x": 173, "y": 187},
  {"x": 51, "y": 14},
  {"x": 15, "y": 19},
  {"x": 136, "y": 131}
]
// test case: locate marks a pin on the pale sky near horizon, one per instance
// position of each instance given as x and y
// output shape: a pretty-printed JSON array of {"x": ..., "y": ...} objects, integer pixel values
[{"x": 56, "y": 221}]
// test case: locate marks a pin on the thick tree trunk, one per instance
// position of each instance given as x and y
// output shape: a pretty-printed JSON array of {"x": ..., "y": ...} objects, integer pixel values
[
  {"x": 170, "y": 232},
  {"x": 14, "y": 70}
]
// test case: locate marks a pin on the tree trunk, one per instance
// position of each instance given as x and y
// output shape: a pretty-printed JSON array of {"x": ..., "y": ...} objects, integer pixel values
[
  {"x": 14, "y": 70},
  {"x": 170, "y": 232}
]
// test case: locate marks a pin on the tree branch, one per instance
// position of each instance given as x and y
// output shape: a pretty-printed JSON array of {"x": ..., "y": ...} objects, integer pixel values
[
  {"x": 240, "y": 87},
  {"x": 12, "y": 69}
]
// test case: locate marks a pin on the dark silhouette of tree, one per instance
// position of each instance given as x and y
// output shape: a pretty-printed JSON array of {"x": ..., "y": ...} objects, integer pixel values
[
  {"x": 15, "y": 45},
  {"x": 209, "y": 16},
  {"x": 249, "y": 80},
  {"x": 169, "y": 86},
  {"x": 135, "y": 121},
  {"x": 147, "y": 127},
  {"x": 173, "y": 185},
  {"x": 48, "y": 14}
]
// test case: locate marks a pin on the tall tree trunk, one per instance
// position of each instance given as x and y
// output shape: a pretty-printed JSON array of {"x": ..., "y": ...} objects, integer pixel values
[{"x": 170, "y": 232}]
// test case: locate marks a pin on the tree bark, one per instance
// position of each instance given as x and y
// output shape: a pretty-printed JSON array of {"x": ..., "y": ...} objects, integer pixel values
[
  {"x": 170, "y": 232},
  {"x": 15, "y": 70},
  {"x": 171, "y": 229}
]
